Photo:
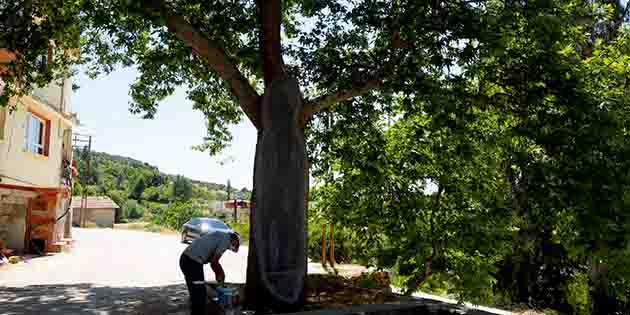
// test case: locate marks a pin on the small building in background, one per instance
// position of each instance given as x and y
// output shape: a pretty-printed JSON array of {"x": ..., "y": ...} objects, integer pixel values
[
  {"x": 94, "y": 211},
  {"x": 225, "y": 208}
]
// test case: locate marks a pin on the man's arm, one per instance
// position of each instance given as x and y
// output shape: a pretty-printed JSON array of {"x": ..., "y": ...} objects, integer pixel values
[{"x": 216, "y": 267}]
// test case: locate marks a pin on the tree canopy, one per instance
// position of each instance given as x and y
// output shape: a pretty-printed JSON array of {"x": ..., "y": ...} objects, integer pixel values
[
  {"x": 513, "y": 111},
  {"x": 504, "y": 176},
  {"x": 337, "y": 50}
]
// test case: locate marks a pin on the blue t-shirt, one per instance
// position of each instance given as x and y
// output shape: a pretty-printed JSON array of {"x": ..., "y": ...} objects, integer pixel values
[{"x": 213, "y": 243}]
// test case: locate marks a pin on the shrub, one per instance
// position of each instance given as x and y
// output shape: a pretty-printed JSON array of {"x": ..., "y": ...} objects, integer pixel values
[
  {"x": 242, "y": 229},
  {"x": 153, "y": 228},
  {"x": 119, "y": 197},
  {"x": 90, "y": 190},
  {"x": 176, "y": 214},
  {"x": 578, "y": 294},
  {"x": 133, "y": 210}
]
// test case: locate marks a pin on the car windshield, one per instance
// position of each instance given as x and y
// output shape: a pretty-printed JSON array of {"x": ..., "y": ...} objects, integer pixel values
[{"x": 215, "y": 224}]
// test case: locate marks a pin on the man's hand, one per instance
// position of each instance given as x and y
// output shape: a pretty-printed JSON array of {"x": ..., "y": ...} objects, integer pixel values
[
  {"x": 219, "y": 274},
  {"x": 220, "y": 278}
]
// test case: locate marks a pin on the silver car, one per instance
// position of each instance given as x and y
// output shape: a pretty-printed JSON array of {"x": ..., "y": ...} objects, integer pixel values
[{"x": 196, "y": 227}]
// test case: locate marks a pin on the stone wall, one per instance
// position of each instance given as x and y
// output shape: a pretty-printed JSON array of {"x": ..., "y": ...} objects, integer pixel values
[{"x": 13, "y": 224}]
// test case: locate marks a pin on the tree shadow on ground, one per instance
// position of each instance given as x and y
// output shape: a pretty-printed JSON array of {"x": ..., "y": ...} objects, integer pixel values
[{"x": 86, "y": 298}]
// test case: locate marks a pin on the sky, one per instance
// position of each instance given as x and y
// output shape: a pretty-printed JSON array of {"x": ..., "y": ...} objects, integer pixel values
[{"x": 165, "y": 141}]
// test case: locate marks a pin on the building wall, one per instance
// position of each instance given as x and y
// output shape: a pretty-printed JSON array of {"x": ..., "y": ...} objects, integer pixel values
[
  {"x": 56, "y": 95},
  {"x": 103, "y": 217},
  {"x": 19, "y": 167},
  {"x": 100, "y": 217},
  {"x": 13, "y": 224}
]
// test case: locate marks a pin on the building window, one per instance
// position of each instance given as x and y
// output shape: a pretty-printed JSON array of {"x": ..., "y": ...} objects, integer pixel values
[{"x": 37, "y": 134}]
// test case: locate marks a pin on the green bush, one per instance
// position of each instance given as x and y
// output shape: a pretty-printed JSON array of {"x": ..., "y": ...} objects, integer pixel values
[
  {"x": 119, "y": 197},
  {"x": 578, "y": 294},
  {"x": 77, "y": 189},
  {"x": 133, "y": 210},
  {"x": 90, "y": 190},
  {"x": 176, "y": 214},
  {"x": 153, "y": 228},
  {"x": 243, "y": 230}
]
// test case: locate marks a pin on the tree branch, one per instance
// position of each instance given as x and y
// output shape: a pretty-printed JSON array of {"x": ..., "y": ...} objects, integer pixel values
[
  {"x": 215, "y": 55},
  {"x": 358, "y": 88},
  {"x": 625, "y": 12},
  {"x": 312, "y": 107},
  {"x": 270, "y": 18}
]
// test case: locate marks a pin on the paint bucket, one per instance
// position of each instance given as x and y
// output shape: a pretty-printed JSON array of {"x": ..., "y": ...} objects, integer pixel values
[{"x": 227, "y": 297}]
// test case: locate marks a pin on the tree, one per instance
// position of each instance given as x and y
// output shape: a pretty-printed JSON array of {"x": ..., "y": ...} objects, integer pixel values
[
  {"x": 182, "y": 188},
  {"x": 89, "y": 190},
  {"x": 424, "y": 193},
  {"x": 133, "y": 210},
  {"x": 549, "y": 75},
  {"x": 260, "y": 58},
  {"x": 77, "y": 189},
  {"x": 563, "y": 144},
  {"x": 202, "y": 192},
  {"x": 91, "y": 176},
  {"x": 223, "y": 51},
  {"x": 119, "y": 197},
  {"x": 138, "y": 188},
  {"x": 244, "y": 194},
  {"x": 178, "y": 213},
  {"x": 151, "y": 194},
  {"x": 221, "y": 195}
]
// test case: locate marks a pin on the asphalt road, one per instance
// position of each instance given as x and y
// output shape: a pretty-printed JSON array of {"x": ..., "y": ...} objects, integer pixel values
[{"x": 107, "y": 272}]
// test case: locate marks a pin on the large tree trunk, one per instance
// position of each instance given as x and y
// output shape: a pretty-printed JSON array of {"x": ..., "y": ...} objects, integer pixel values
[{"x": 277, "y": 253}]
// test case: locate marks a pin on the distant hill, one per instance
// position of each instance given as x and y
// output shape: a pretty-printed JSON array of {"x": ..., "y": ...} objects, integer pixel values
[
  {"x": 210, "y": 186},
  {"x": 122, "y": 159},
  {"x": 114, "y": 172}
]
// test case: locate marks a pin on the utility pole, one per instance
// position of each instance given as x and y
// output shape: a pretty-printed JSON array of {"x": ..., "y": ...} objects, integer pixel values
[
  {"x": 83, "y": 141},
  {"x": 229, "y": 189},
  {"x": 83, "y": 216},
  {"x": 235, "y": 212}
]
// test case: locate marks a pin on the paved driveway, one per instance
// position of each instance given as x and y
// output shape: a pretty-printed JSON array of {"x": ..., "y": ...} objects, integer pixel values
[
  {"x": 112, "y": 272},
  {"x": 107, "y": 272},
  {"x": 116, "y": 272}
]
